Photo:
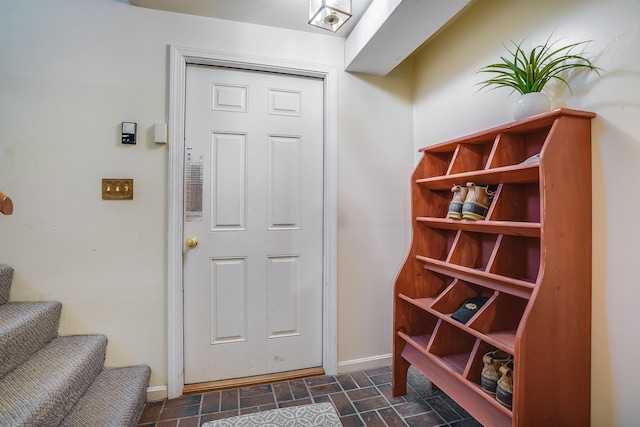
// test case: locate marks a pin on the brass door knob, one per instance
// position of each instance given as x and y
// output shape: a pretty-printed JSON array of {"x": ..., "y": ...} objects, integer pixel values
[{"x": 191, "y": 242}]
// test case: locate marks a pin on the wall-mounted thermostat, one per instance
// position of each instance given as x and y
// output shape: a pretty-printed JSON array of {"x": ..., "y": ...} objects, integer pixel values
[{"x": 129, "y": 132}]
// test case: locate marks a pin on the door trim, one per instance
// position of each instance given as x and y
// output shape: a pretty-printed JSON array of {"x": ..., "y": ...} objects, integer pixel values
[{"x": 179, "y": 57}]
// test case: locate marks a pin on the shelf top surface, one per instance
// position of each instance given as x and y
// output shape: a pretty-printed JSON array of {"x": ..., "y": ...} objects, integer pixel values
[{"x": 519, "y": 126}]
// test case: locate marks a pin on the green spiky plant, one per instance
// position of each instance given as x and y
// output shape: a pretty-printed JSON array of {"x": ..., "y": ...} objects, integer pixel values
[{"x": 530, "y": 72}]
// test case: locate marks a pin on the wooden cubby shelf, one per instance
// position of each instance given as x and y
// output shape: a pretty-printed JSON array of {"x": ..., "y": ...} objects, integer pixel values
[{"x": 530, "y": 259}]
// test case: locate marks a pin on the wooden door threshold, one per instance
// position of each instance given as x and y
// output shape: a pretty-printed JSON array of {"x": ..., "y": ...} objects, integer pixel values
[{"x": 251, "y": 381}]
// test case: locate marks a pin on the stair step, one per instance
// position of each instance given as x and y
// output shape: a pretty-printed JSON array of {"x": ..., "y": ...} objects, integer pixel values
[
  {"x": 6, "y": 276},
  {"x": 42, "y": 390},
  {"x": 115, "y": 398},
  {"x": 25, "y": 327}
]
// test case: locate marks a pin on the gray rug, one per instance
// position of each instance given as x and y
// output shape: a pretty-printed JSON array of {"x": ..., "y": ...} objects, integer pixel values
[{"x": 318, "y": 414}]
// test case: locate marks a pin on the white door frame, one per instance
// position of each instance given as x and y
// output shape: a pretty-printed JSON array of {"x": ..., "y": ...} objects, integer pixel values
[{"x": 179, "y": 57}]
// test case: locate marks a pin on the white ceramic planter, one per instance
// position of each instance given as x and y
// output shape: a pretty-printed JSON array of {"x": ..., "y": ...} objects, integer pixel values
[{"x": 530, "y": 104}]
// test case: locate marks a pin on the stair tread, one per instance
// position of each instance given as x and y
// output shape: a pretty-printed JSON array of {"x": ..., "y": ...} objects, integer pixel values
[
  {"x": 43, "y": 389},
  {"x": 115, "y": 398},
  {"x": 25, "y": 327}
]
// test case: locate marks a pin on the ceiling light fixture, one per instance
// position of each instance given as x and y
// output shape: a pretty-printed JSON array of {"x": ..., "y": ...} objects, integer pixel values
[{"x": 329, "y": 14}]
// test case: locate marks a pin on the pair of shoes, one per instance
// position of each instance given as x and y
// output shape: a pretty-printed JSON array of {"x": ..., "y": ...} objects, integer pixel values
[
  {"x": 497, "y": 376},
  {"x": 470, "y": 202},
  {"x": 493, "y": 361}
]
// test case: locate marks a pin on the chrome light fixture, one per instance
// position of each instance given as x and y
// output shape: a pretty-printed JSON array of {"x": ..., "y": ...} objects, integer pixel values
[{"x": 329, "y": 14}]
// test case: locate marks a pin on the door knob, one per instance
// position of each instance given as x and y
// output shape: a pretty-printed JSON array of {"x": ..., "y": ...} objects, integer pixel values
[{"x": 191, "y": 242}]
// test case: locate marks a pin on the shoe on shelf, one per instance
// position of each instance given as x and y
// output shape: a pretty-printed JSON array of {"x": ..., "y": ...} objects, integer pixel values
[
  {"x": 504, "y": 390},
  {"x": 490, "y": 375},
  {"x": 476, "y": 204},
  {"x": 533, "y": 159},
  {"x": 455, "y": 207}
]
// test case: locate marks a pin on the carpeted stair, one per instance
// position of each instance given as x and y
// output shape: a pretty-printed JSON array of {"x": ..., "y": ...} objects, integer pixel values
[{"x": 47, "y": 380}]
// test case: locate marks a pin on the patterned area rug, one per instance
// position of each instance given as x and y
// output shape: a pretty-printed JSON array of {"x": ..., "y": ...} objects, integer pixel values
[{"x": 318, "y": 414}]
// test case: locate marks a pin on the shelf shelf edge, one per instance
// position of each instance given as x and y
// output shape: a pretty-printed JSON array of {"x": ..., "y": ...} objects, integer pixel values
[
  {"x": 512, "y": 228},
  {"x": 493, "y": 281}
]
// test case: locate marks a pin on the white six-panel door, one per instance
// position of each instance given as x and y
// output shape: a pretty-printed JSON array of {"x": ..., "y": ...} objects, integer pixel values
[{"x": 254, "y": 202}]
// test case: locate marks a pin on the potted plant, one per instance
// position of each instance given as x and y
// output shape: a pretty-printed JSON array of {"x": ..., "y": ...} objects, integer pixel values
[{"x": 528, "y": 72}]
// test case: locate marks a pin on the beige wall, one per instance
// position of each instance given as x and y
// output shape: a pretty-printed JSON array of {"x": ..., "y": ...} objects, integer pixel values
[
  {"x": 447, "y": 106},
  {"x": 70, "y": 72},
  {"x": 374, "y": 176}
]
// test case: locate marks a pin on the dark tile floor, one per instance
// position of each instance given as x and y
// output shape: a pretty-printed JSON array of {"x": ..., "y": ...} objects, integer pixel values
[{"x": 361, "y": 398}]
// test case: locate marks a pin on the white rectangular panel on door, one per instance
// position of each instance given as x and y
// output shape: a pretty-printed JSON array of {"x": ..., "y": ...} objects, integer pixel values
[
  {"x": 284, "y": 102},
  {"x": 228, "y": 155},
  {"x": 284, "y": 182},
  {"x": 229, "y": 98},
  {"x": 228, "y": 300},
  {"x": 283, "y": 296}
]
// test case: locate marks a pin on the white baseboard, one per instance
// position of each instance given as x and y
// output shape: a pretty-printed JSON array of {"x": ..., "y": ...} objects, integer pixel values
[
  {"x": 364, "y": 363},
  {"x": 157, "y": 393}
]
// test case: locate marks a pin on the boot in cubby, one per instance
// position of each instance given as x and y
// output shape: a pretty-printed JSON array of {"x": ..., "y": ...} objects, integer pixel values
[
  {"x": 476, "y": 204},
  {"x": 504, "y": 390},
  {"x": 490, "y": 375},
  {"x": 459, "y": 196}
]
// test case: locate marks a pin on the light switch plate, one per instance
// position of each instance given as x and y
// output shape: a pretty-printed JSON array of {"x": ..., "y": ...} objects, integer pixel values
[
  {"x": 160, "y": 133},
  {"x": 117, "y": 188}
]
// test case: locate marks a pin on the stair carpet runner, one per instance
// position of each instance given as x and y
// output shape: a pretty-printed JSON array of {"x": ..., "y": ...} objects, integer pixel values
[{"x": 50, "y": 380}]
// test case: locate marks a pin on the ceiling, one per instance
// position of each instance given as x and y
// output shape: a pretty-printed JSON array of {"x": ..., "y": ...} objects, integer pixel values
[{"x": 290, "y": 14}]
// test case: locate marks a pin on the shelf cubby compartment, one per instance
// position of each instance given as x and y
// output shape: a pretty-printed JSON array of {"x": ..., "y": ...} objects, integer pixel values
[
  {"x": 451, "y": 345},
  {"x": 434, "y": 163},
  {"x": 435, "y": 243},
  {"x": 516, "y": 203},
  {"x": 472, "y": 250},
  {"x": 426, "y": 287},
  {"x": 499, "y": 320},
  {"x": 516, "y": 257},
  {"x": 470, "y": 157},
  {"x": 513, "y": 148},
  {"x": 452, "y": 382},
  {"x": 473, "y": 371},
  {"x": 420, "y": 324},
  {"x": 495, "y": 323},
  {"x": 455, "y": 294},
  {"x": 433, "y": 203}
]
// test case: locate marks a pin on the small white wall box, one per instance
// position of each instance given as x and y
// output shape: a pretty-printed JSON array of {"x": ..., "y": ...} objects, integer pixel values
[
  {"x": 129, "y": 132},
  {"x": 160, "y": 133}
]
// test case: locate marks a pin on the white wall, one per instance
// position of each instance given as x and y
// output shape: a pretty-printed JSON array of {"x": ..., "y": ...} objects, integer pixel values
[
  {"x": 373, "y": 219},
  {"x": 447, "y": 106},
  {"x": 70, "y": 72}
]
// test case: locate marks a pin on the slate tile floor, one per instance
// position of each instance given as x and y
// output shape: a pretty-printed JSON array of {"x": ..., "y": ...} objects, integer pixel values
[{"x": 361, "y": 398}]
